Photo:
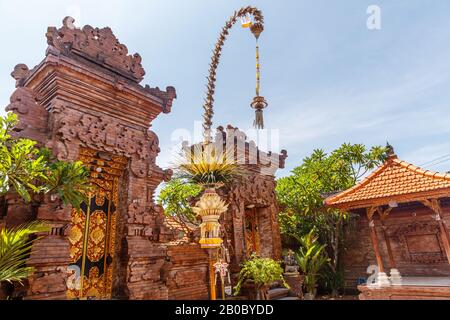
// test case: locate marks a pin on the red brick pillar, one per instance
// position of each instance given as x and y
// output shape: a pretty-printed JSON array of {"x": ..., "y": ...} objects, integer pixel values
[{"x": 50, "y": 255}]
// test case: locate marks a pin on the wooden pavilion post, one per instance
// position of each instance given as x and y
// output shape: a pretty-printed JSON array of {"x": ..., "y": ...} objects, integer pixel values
[
  {"x": 395, "y": 275},
  {"x": 381, "y": 277},
  {"x": 434, "y": 205},
  {"x": 383, "y": 216}
]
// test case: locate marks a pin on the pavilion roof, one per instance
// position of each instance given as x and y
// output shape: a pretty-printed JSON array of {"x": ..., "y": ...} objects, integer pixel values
[{"x": 395, "y": 180}]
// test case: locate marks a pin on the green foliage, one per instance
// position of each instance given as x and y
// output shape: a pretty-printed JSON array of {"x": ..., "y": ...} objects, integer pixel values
[
  {"x": 311, "y": 259},
  {"x": 21, "y": 163},
  {"x": 29, "y": 170},
  {"x": 262, "y": 271},
  {"x": 301, "y": 195},
  {"x": 174, "y": 197},
  {"x": 15, "y": 245},
  {"x": 69, "y": 181},
  {"x": 207, "y": 164},
  {"x": 302, "y": 192}
]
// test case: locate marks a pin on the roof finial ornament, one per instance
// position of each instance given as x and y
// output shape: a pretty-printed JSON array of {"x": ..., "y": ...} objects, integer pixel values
[
  {"x": 68, "y": 22},
  {"x": 390, "y": 150}
]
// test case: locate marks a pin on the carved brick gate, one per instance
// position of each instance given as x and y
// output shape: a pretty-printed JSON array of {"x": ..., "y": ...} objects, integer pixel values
[{"x": 84, "y": 101}]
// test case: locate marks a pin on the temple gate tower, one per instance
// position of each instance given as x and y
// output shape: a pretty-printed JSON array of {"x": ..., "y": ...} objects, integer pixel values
[{"x": 85, "y": 102}]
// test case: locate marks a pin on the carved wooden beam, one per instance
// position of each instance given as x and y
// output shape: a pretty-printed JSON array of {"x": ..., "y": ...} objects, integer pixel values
[
  {"x": 371, "y": 212},
  {"x": 435, "y": 205},
  {"x": 384, "y": 213}
]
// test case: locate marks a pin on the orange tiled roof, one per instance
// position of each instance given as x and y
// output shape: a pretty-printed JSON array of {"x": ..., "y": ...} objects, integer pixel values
[
  {"x": 172, "y": 224},
  {"x": 395, "y": 180}
]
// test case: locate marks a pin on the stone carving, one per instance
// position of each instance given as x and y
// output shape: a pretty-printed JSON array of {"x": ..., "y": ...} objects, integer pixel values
[
  {"x": 106, "y": 134},
  {"x": 98, "y": 45},
  {"x": 415, "y": 229},
  {"x": 139, "y": 214},
  {"x": 21, "y": 101},
  {"x": 50, "y": 281},
  {"x": 20, "y": 73},
  {"x": 282, "y": 158},
  {"x": 255, "y": 189},
  {"x": 167, "y": 175},
  {"x": 32, "y": 116},
  {"x": 166, "y": 96},
  {"x": 290, "y": 264}
]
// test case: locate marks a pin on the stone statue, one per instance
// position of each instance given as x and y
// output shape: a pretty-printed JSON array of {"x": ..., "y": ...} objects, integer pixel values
[{"x": 290, "y": 264}]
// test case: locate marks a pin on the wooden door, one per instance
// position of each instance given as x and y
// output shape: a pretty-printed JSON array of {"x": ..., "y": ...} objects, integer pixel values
[{"x": 252, "y": 242}]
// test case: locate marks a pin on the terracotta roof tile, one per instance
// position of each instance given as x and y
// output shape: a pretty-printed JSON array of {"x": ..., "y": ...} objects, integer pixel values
[
  {"x": 394, "y": 178},
  {"x": 172, "y": 224}
]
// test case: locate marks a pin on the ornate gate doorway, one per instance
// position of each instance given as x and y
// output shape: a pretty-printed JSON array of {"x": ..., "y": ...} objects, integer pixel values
[
  {"x": 93, "y": 231},
  {"x": 251, "y": 232}
]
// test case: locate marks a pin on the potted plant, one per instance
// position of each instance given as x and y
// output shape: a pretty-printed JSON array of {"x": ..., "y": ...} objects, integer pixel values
[
  {"x": 262, "y": 272},
  {"x": 311, "y": 259}
]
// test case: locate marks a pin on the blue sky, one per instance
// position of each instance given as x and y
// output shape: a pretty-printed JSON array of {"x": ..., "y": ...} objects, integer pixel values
[{"x": 327, "y": 77}]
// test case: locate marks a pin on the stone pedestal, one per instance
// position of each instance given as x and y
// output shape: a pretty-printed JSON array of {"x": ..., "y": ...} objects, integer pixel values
[
  {"x": 295, "y": 282},
  {"x": 382, "y": 279},
  {"x": 396, "y": 277}
]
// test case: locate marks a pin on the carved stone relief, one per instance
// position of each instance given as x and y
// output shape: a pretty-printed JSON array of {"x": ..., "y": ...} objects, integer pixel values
[
  {"x": 106, "y": 134},
  {"x": 408, "y": 236},
  {"x": 99, "y": 45}
]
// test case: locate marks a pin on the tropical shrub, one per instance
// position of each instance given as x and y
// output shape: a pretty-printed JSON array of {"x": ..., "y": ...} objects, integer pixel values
[
  {"x": 175, "y": 197},
  {"x": 311, "y": 259},
  {"x": 302, "y": 193},
  {"x": 263, "y": 271},
  {"x": 15, "y": 245},
  {"x": 29, "y": 170}
]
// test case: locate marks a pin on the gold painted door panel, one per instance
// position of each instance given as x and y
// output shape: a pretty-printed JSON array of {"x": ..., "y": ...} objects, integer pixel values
[
  {"x": 93, "y": 230},
  {"x": 251, "y": 232}
]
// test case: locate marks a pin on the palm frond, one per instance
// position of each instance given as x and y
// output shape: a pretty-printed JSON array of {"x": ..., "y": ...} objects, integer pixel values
[
  {"x": 208, "y": 165},
  {"x": 15, "y": 245}
]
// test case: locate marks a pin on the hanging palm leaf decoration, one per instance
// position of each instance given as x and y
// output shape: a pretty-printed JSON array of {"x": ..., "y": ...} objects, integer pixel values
[
  {"x": 207, "y": 165},
  {"x": 256, "y": 27}
]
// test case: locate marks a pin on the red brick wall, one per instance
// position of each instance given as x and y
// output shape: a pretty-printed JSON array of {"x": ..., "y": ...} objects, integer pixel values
[{"x": 188, "y": 275}]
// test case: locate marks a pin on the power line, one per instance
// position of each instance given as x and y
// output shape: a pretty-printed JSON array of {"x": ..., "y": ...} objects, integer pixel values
[
  {"x": 438, "y": 162},
  {"x": 442, "y": 161},
  {"x": 431, "y": 161}
]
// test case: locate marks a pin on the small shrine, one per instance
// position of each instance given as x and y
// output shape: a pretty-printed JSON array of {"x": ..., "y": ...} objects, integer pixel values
[
  {"x": 251, "y": 221},
  {"x": 248, "y": 225},
  {"x": 401, "y": 234}
]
